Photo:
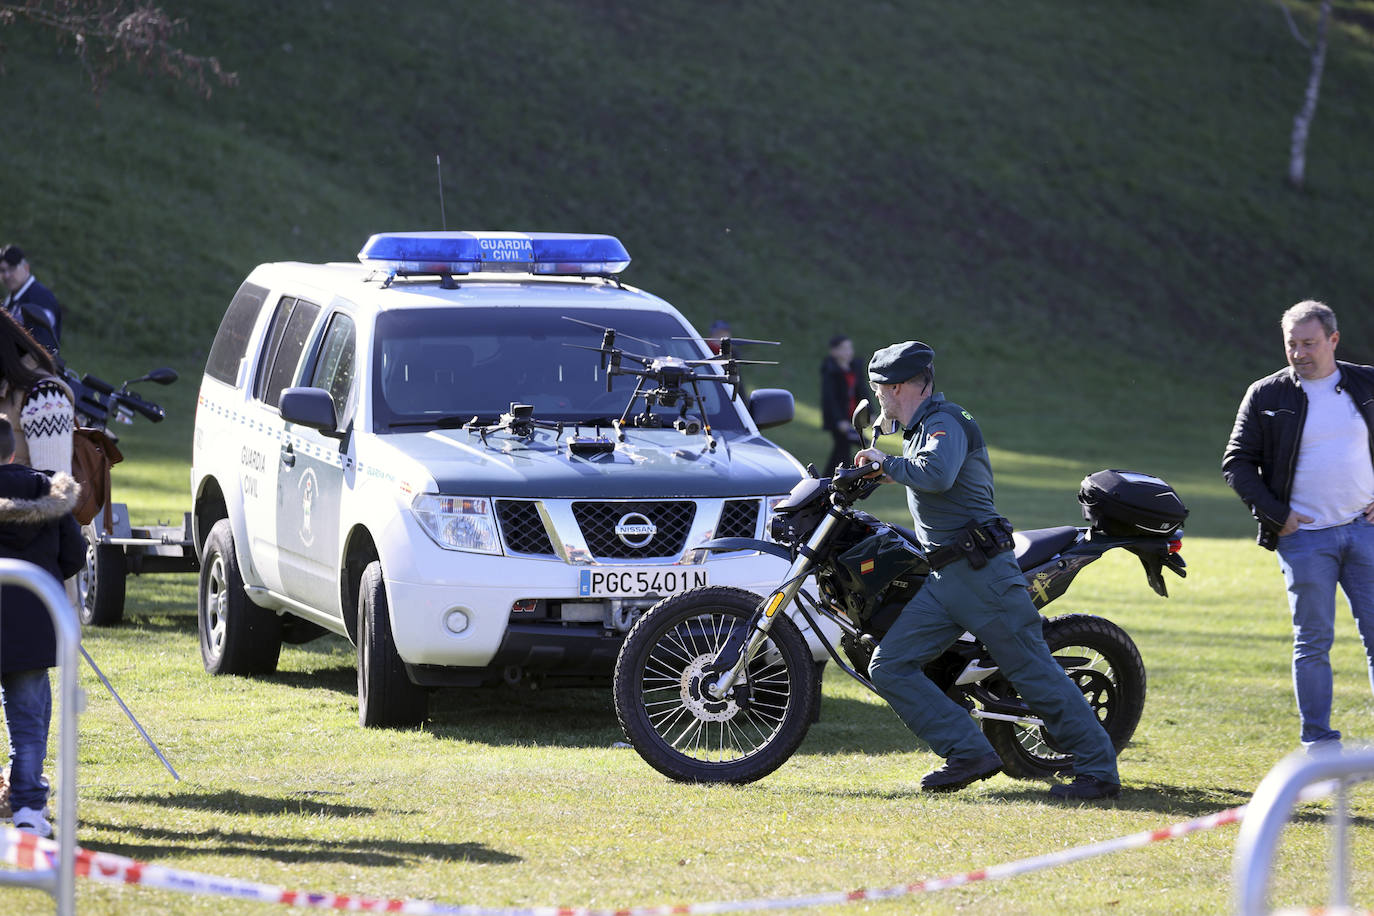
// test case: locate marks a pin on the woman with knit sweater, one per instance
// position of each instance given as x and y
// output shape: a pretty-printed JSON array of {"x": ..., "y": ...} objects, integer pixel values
[{"x": 35, "y": 400}]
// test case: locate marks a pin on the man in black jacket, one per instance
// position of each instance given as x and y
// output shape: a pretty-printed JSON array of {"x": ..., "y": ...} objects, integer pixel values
[
  {"x": 37, "y": 525},
  {"x": 31, "y": 303},
  {"x": 1301, "y": 456}
]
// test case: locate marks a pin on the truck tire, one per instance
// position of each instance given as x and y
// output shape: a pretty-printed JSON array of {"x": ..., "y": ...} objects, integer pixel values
[
  {"x": 386, "y": 696},
  {"x": 236, "y": 636}
]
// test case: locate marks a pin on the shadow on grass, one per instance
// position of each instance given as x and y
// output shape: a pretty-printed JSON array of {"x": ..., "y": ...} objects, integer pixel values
[
  {"x": 339, "y": 679},
  {"x": 160, "y": 623},
  {"x": 241, "y": 803},
  {"x": 162, "y": 842},
  {"x": 157, "y": 843}
]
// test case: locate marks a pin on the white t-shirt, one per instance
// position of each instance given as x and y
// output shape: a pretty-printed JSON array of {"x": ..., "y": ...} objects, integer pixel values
[{"x": 1334, "y": 478}]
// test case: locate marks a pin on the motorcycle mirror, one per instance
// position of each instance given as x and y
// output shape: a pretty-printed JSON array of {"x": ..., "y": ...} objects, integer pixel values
[
  {"x": 163, "y": 376},
  {"x": 862, "y": 419}
]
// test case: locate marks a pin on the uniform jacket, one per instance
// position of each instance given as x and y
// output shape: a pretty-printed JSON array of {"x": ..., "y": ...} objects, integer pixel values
[
  {"x": 944, "y": 466},
  {"x": 37, "y": 525},
  {"x": 1262, "y": 454}
]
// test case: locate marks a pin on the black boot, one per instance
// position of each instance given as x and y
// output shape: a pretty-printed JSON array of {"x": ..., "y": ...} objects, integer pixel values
[{"x": 961, "y": 771}]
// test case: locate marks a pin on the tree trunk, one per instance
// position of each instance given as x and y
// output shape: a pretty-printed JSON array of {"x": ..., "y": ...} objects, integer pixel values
[{"x": 1302, "y": 122}]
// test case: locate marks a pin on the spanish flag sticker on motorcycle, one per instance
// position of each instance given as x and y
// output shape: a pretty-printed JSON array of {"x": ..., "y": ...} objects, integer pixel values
[{"x": 866, "y": 567}]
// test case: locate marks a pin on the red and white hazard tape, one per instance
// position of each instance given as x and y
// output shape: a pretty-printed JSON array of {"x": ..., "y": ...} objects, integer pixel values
[{"x": 29, "y": 852}]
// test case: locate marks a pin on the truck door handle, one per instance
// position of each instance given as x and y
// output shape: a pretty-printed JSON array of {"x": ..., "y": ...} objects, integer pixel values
[{"x": 288, "y": 455}]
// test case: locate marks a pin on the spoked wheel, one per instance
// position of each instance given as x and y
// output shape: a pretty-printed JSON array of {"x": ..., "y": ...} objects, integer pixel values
[
  {"x": 671, "y": 718},
  {"x": 1104, "y": 662}
]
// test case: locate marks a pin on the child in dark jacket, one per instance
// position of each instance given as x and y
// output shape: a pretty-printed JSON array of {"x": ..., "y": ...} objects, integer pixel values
[{"x": 37, "y": 525}]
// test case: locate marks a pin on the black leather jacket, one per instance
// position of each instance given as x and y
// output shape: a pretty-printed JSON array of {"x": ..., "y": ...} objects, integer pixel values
[{"x": 1262, "y": 454}]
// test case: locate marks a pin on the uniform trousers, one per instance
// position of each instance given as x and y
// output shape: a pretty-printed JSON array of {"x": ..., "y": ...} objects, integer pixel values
[{"x": 993, "y": 605}]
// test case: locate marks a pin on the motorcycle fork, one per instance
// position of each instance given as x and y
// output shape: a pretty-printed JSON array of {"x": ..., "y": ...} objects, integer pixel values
[{"x": 780, "y": 597}]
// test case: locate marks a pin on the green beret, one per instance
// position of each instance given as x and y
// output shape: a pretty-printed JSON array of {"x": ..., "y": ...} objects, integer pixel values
[{"x": 899, "y": 362}]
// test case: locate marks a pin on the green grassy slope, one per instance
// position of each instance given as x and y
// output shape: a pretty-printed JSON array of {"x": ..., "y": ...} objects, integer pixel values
[{"x": 1079, "y": 205}]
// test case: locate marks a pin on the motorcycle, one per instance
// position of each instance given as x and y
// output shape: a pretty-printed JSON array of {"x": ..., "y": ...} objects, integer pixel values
[
  {"x": 120, "y": 550},
  {"x": 717, "y": 684}
]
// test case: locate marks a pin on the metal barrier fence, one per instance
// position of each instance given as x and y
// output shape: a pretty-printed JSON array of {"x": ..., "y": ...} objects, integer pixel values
[
  {"x": 1270, "y": 809},
  {"x": 60, "y": 882}
]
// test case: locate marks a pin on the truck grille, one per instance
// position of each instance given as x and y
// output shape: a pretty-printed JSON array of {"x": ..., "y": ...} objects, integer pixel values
[
  {"x": 598, "y": 521},
  {"x": 523, "y": 528},
  {"x": 739, "y": 519}
]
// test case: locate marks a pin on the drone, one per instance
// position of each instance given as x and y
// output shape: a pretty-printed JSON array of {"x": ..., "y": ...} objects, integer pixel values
[
  {"x": 669, "y": 381},
  {"x": 519, "y": 421}
]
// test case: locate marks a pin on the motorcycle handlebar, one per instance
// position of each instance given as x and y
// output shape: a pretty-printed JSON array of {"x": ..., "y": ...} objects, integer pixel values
[
  {"x": 146, "y": 408},
  {"x": 856, "y": 482},
  {"x": 99, "y": 384}
]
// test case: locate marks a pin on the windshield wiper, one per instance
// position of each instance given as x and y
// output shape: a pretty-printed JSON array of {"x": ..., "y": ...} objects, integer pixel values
[{"x": 451, "y": 421}]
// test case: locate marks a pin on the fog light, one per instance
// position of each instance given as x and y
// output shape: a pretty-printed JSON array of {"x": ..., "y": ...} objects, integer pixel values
[{"x": 456, "y": 621}]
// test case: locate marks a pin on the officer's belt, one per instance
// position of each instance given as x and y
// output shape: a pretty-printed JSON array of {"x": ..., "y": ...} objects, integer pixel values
[{"x": 975, "y": 543}]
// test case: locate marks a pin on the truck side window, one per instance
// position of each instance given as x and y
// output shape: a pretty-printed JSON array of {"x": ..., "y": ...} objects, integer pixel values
[
  {"x": 286, "y": 341},
  {"x": 231, "y": 341},
  {"x": 334, "y": 370}
]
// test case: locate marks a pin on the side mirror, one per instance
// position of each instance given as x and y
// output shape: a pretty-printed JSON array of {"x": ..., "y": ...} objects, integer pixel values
[
  {"x": 771, "y": 407},
  {"x": 163, "y": 376},
  {"x": 312, "y": 407},
  {"x": 862, "y": 420}
]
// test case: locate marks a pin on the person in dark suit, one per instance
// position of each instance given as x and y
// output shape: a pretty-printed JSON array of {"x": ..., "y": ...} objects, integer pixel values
[{"x": 31, "y": 303}]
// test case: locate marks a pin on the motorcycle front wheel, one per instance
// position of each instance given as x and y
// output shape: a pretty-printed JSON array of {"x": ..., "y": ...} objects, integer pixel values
[
  {"x": 1103, "y": 661},
  {"x": 679, "y": 728}
]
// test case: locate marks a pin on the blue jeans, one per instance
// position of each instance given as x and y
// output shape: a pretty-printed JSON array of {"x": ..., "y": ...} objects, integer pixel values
[
  {"x": 27, "y": 697},
  {"x": 1313, "y": 564}
]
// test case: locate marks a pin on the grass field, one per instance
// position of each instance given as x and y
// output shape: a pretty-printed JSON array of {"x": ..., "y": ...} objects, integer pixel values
[
  {"x": 1079, "y": 205},
  {"x": 520, "y": 798}
]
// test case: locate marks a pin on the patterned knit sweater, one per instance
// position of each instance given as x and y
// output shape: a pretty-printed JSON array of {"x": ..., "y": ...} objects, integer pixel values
[{"x": 47, "y": 419}]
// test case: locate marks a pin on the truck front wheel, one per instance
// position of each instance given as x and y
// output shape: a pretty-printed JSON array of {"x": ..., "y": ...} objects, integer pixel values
[{"x": 386, "y": 696}]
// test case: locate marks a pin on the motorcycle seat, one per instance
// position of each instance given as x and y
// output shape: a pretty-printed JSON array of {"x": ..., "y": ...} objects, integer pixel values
[{"x": 1038, "y": 545}]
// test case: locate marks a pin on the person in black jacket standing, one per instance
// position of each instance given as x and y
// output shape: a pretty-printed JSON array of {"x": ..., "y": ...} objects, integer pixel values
[
  {"x": 31, "y": 303},
  {"x": 1301, "y": 456},
  {"x": 37, "y": 525},
  {"x": 839, "y": 396}
]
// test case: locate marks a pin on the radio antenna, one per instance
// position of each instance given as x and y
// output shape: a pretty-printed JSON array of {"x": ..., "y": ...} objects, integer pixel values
[{"x": 438, "y": 167}]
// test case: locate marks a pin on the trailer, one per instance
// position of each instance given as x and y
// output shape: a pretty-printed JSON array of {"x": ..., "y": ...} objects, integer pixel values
[{"x": 112, "y": 556}]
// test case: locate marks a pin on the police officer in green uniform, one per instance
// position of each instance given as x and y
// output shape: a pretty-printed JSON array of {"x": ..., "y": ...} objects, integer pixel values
[{"x": 976, "y": 586}]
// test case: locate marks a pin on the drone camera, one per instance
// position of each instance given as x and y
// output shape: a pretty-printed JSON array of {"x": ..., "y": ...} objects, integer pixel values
[{"x": 687, "y": 426}]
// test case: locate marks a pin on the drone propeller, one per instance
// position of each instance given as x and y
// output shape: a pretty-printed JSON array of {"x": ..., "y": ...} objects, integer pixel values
[
  {"x": 608, "y": 335},
  {"x": 730, "y": 360},
  {"x": 738, "y": 340}
]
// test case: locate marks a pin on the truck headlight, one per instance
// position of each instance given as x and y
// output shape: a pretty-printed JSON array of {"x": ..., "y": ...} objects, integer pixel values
[{"x": 457, "y": 522}]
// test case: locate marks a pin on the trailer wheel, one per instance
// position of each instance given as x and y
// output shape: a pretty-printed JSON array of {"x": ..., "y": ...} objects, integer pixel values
[{"x": 101, "y": 583}]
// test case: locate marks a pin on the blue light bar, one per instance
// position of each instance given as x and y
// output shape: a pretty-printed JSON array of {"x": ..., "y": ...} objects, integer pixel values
[{"x": 446, "y": 252}]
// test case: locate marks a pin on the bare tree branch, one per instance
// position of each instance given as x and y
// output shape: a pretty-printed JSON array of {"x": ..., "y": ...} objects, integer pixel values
[
  {"x": 107, "y": 33},
  {"x": 1292, "y": 26},
  {"x": 1302, "y": 122}
]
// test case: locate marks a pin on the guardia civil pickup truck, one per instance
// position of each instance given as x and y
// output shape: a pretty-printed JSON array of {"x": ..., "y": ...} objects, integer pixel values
[{"x": 479, "y": 456}]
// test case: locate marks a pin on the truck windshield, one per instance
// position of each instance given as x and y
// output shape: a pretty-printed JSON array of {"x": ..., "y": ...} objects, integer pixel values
[{"x": 443, "y": 364}]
